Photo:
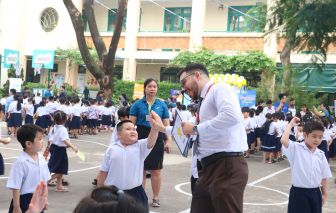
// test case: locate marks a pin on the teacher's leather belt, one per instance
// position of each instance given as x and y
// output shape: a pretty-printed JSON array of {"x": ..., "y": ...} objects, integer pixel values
[{"x": 213, "y": 158}]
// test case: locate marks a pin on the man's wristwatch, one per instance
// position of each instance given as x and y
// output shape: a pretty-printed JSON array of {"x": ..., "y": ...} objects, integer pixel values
[{"x": 195, "y": 130}]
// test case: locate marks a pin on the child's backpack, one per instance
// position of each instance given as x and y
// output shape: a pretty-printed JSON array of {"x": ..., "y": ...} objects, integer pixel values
[{"x": 265, "y": 127}]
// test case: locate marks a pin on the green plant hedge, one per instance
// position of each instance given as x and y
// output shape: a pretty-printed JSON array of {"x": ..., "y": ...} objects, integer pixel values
[{"x": 121, "y": 86}]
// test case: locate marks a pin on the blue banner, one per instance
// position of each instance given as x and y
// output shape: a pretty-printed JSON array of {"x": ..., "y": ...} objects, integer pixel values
[
  {"x": 247, "y": 98},
  {"x": 11, "y": 57},
  {"x": 45, "y": 57}
]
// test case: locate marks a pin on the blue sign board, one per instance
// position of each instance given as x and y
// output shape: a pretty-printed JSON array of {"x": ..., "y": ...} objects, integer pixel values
[
  {"x": 247, "y": 98},
  {"x": 45, "y": 57},
  {"x": 11, "y": 57}
]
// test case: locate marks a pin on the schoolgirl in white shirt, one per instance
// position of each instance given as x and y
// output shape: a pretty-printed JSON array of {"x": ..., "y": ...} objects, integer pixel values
[
  {"x": 62, "y": 107},
  {"x": 85, "y": 113},
  {"x": 51, "y": 108},
  {"x": 37, "y": 100},
  {"x": 268, "y": 144},
  {"x": 120, "y": 172},
  {"x": 248, "y": 127},
  {"x": 59, "y": 140},
  {"x": 69, "y": 114},
  {"x": 29, "y": 112},
  {"x": 101, "y": 109},
  {"x": 14, "y": 114},
  {"x": 259, "y": 121},
  {"x": 112, "y": 108},
  {"x": 41, "y": 115},
  {"x": 107, "y": 117},
  {"x": 75, "y": 118},
  {"x": 252, "y": 133},
  {"x": 333, "y": 136}
]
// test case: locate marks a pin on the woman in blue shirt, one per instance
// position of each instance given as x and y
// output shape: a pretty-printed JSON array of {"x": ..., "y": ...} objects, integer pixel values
[
  {"x": 122, "y": 98},
  {"x": 139, "y": 115},
  {"x": 325, "y": 111}
]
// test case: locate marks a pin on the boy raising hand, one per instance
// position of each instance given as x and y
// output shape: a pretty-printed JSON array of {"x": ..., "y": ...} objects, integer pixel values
[{"x": 309, "y": 166}]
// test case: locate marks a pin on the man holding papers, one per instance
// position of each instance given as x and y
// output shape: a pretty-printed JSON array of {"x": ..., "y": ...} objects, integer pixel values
[{"x": 220, "y": 142}]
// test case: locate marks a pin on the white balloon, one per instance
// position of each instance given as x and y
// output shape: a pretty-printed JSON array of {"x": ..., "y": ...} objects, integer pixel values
[
  {"x": 242, "y": 77},
  {"x": 232, "y": 79},
  {"x": 239, "y": 80},
  {"x": 213, "y": 79}
]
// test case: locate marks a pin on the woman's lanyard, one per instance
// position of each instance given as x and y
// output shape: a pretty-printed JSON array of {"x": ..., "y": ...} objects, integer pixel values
[
  {"x": 149, "y": 109},
  {"x": 199, "y": 106}
]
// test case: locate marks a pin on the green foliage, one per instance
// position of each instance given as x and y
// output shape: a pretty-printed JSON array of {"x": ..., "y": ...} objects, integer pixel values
[
  {"x": 74, "y": 55},
  {"x": 215, "y": 63},
  {"x": 316, "y": 22},
  {"x": 295, "y": 90},
  {"x": 258, "y": 12},
  {"x": 121, "y": 86}
]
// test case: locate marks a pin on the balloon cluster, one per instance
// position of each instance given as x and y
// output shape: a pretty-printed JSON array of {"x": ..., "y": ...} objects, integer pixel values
[{"x": 233, "y": 79}]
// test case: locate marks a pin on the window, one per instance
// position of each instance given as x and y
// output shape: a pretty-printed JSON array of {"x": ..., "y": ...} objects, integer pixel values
[
  {"x": 175, "y": 23},
  {"x": 84, "y": 19},
  {"x": 118, "y": 72},
  {"x": 236, "y": 20},
  {"x": 112, "y": 20},
  {"x": 81, "y": 69},
  {"x": 49, "y": 19},
  {"x": 169, "y": 75},
  {"x": 55, "y": 68}
]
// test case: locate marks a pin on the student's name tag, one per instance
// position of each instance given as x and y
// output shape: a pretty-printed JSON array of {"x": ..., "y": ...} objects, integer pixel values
[{"x": 147, "y": 118}]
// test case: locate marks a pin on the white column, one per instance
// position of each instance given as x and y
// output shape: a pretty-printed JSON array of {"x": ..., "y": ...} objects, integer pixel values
[
  {"x": 197, "y": 24},
  {"x": 132, "y": 29}
]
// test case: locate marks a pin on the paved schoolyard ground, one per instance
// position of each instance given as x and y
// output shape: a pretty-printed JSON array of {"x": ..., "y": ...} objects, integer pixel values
[{"x": 267, "y": 189}]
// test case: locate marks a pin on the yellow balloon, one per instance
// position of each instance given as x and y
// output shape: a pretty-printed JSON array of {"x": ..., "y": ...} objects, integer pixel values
[
  {"x": 237, "y": 76},
  {"x": 234, "y": 83},
  {"x": 216, "y": 75},
  {"x": 216, "y": 82},
  {"x": 239, "y": 85},
  {"x": 219, "y": 79},
  {"x": 229, "y": 82},
  {"x": 244, "y": 82},
  {"x": 222, "y": 76},
  {"x": 213, "y": 78},
  {"x": 211, "y": 75}
]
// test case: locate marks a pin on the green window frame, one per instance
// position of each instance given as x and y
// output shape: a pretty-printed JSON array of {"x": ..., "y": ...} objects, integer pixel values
[
  {"x": 169, "y": 75},
  {"x": 112, "y": 19},
  {"x": 236, "y": 20},
  {"x": 173, "y": 23},
  {"x": 84, "y": 19}
]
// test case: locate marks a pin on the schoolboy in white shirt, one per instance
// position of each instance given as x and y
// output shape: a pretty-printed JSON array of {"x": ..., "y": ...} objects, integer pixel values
[
  {"x": 310, "y": 168},
  {"x": 29, "y": 169},
  {"x": 123, "y": 161}
]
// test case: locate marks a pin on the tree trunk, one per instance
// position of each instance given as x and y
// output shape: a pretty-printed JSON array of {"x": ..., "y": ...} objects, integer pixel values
[
  {"x": 286, "y": 62},
  {"x": 103, "y": 70}
]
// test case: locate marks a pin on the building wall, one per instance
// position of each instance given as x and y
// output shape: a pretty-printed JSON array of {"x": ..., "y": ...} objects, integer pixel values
[
  {"x": 107, "y": 40},
  {"x": 233, "y": 43},
  {"x": 148, "y": 71},
  {"x": 163, "y": 43},
  {"x": 101, "y": 14}
]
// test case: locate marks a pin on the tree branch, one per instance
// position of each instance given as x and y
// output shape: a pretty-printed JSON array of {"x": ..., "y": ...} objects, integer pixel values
[
  {"x": 96, "y": 38},
  {"x": 109, "y": 63},
  {"x": 77, "y": 22}
]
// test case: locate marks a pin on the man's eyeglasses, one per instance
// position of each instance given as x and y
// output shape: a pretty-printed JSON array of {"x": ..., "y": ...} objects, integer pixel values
[{"x": 183, "y": 82}]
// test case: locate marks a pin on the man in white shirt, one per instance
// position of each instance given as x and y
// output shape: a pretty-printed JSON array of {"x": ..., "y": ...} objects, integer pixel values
[{"x": 221, "y": 142}]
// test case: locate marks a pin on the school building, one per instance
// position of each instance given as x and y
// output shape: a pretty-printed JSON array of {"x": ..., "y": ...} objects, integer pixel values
[{"x": 151, "y": 36}]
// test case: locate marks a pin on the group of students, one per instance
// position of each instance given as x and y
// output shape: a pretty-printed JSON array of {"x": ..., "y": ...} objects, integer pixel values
[
  {"x": 91, "y": 114},
  {"x": 264, "y": 132}
]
